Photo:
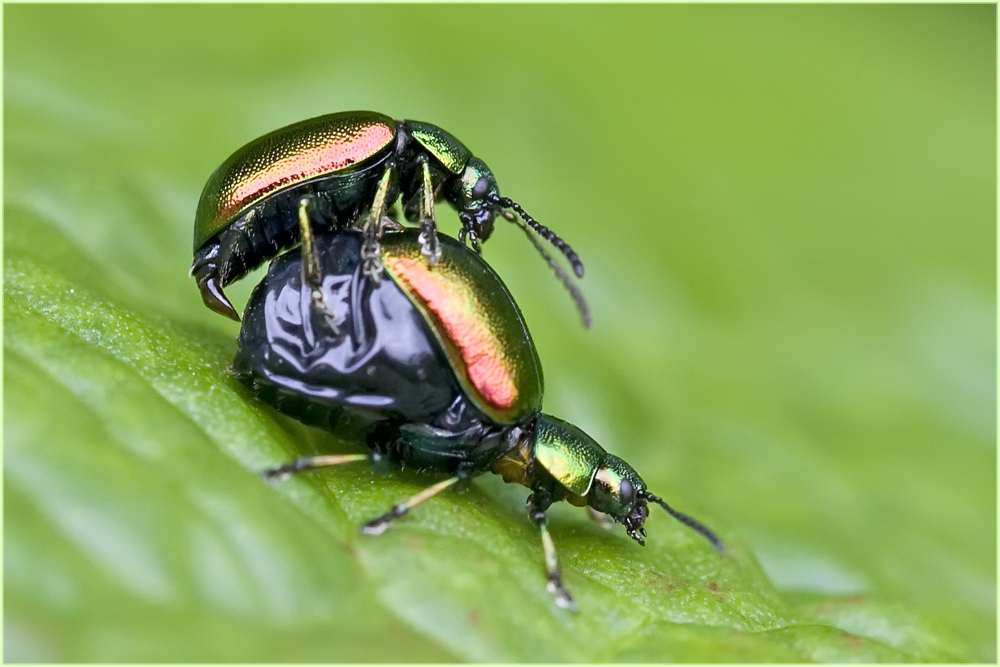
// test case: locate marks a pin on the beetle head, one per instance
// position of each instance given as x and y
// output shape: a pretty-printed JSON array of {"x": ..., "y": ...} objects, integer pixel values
[
  {"x": 617, "y": 490},
  {"x": 476, "y": 194},
  {"x": 591, "y": 475},
  {"x": 601, "y": 480},
  {"x": 477, "y": 198}
]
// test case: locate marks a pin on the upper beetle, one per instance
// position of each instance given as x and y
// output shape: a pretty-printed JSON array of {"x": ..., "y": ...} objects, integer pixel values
[
  {"x": 433, "y": 368},
  {"x": 352, "y": 164}
]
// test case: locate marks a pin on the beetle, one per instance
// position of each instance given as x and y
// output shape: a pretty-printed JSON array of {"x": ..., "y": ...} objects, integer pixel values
[
  {"x": 433, "y": 368},
  {"x": 354, "y": 164}
]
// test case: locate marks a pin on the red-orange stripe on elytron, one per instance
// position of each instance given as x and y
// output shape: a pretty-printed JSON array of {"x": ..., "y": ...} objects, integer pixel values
[
  {"x": 319, "y": 154},
  {"x": 455, "y": 308}
]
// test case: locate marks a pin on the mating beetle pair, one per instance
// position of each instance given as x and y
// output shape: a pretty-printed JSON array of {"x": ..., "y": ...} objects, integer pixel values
[
  {"x": 433, "y": 367},
  {"x": 350, "y": 167}
]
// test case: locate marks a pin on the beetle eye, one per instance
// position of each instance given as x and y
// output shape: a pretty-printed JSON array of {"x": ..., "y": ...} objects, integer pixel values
[
  {"x": 481, "y": 188},
  {"x": 626, "y": 492}
]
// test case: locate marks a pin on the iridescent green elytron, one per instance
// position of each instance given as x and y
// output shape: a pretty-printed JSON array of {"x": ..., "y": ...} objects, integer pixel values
[
  {"x": 351, "y": 167},
  {"x": 451, "y": 380},
  {"x": 286, "y": 158},
  {"x": 486, "y": 342}
]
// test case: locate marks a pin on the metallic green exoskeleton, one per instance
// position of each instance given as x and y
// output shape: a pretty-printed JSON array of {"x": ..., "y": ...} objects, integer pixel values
[
  {"x": 434, "y": 369},
  {"x": 351, "y": 167}
]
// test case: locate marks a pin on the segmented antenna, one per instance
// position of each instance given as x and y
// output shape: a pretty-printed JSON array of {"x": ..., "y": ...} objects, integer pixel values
[
  {"x": 544, "y": 232},
  {"x": 581, "y": 302},
  {"x": 687, "y": 521}
]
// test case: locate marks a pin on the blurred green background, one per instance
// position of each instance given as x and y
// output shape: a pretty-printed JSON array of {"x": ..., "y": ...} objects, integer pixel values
[{"x": 787, "y": 215}]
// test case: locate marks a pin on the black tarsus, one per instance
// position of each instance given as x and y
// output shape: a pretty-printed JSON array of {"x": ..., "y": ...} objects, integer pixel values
[
  {"x": 544, "y": 232},
  {"x": 687, "y": 521}
]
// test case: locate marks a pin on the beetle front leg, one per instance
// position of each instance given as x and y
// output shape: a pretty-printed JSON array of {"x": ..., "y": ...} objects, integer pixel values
[
  {"x": 429, "y": 245},
  {"x": 312, "y": 272},
  {"x": 603, "y": 520},
  {"x": 538, "y": 502},
  {"x": 469, "y": 237},
  {"x": 371, "y": 252}
]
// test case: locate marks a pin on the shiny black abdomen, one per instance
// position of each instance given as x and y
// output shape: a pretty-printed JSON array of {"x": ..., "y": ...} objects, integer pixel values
[{"x": 383, "y": 377}]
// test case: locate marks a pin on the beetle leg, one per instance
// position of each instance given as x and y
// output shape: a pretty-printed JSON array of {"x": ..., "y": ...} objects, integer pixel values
[
  {"x": 371, "y": 253},
  {"x": 429, "y": 245},
  {"x": 474, "y": 242},
  {"x": 467, "y": 237},
  {"x": 390, "y": 223},
  {"x": 204, "y": 270},
  {"x": 536, "y": 512},
  {"x": 213, "y": 297},
  {"x": 378, "y": 525},
  {"x": 302, "y": 463},
  {"x": 312, "y": 273},
  {"x": 603, "y": 520}
]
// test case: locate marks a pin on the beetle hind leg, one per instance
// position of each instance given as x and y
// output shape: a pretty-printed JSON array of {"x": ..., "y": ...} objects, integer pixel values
[{"x": 205, "y": 272}]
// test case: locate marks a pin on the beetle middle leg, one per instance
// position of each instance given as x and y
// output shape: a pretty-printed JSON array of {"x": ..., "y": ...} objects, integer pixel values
[
  {"x": 538, "y": 502},
  {"x": 304, "y": 463},
  {"x": 378, "y": 525},
  {"x": 312, "y": 272},
  {"x": 371, "y": 252}
]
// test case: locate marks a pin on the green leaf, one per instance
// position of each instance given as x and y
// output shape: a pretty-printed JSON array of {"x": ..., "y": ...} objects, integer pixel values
[{"x": 787, "y": 215}]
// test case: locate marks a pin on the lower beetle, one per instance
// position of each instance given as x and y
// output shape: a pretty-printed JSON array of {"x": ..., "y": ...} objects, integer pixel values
[
  {"x": 435, "y": 369},
  {"x": 354, "y": 164}
]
